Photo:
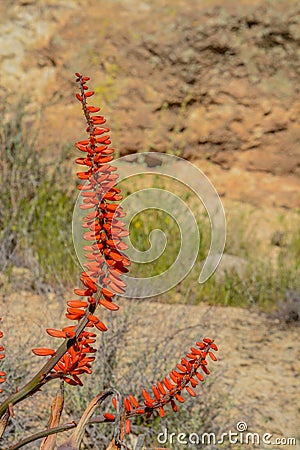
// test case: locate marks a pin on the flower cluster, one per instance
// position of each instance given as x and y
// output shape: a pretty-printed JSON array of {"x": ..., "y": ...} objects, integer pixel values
[
  {"x": 186, "y": 376},
  {"x": 2, "y": 355},
  {"x": 105, "y": 262}
]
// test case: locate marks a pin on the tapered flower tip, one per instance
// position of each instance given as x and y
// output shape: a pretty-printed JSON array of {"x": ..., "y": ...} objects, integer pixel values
[
  {"x": 127, "y": 426},
  {"x": 109, "y": 417},
  {"x": 56, "y": 333},
  {"x": 70, "y": 381},
  {"x": 43, "y": 351},
  {"x": 134, "y": 401},
  {"x": 100, "y": 325},
  {"x": 109, "y": 305},
  {"x": 190, "y": 391},
  {"x": 127, "y": 405},
  {"x": 212, "y": 356},
  {"x": 174, "y": 406}
]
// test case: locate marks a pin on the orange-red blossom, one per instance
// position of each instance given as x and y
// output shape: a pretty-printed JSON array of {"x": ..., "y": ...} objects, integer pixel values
[
  {"x": 105, "y": 265},
  {"x": 185, "y": 376},
  {"x": 105, "y": 261}
]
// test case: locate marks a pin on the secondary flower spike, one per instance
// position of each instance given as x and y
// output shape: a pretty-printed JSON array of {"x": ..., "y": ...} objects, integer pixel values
[
  {"x": 103, "y": 231},
  {"x": 185, "y": 377}
]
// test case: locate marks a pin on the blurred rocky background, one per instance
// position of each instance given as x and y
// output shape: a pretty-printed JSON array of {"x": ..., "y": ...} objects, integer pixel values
[
  {"x": 215, "y": 82},
  {"x": 212, "y": 81}
]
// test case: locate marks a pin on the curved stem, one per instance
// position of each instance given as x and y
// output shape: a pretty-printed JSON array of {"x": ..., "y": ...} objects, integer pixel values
[
  {"x": 68, "y": 426},
  {"x": 75, "y": 439},
  {"x": 41, "y": 377},
  {"x": 3, "y": 422},
  {"x": 58, "y": 429}
]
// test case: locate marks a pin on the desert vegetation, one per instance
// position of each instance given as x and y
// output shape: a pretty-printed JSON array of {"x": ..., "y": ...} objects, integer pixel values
[
  {"x": 101, "y": 282},
  {"x": 220, "y": 91}
]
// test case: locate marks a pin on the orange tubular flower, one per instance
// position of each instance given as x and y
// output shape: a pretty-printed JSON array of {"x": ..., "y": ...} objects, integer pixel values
[
  {"x": 2, "y": 356},
  {"x": 186, "y": 376},
  {"x": 103, "y": 232}
]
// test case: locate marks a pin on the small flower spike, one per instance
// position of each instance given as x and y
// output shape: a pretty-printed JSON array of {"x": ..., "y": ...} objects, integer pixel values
[
  {"x": 103, "y": 231},
  {"x": 185, "y": 377},
  {"x": 2, "y": 356}
]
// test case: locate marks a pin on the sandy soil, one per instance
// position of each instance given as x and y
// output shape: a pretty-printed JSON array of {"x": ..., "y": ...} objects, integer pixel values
[
  {"x": 256, "y": 376},
  {"x": 216, "y": 82}
]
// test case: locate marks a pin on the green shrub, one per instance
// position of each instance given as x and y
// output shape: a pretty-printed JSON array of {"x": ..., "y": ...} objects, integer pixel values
[{"x": 36, "y": 203}]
